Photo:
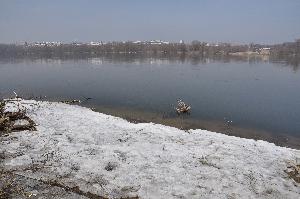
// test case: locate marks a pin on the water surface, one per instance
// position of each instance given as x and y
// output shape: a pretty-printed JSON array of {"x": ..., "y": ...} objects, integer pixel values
[{"x": 253, "y": 94}]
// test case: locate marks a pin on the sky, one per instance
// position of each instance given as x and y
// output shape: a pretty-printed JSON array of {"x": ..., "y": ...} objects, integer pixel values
[{"x": 234, "y": 21}]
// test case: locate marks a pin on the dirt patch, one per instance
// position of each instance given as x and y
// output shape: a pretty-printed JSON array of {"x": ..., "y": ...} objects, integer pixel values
[
  {"x": 17, "y": 186},
  {"x": 293, "y": 171}
]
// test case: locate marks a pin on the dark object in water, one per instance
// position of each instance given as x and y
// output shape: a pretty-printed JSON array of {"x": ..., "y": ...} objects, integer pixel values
[
  {"x": 182, "y": 107},
  {"x": 71, "y": 101},
  {"x": 75, "y": 101}
]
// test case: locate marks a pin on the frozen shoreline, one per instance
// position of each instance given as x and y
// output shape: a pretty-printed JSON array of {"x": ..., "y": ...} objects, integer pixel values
[{"x": 111, "y": 157}]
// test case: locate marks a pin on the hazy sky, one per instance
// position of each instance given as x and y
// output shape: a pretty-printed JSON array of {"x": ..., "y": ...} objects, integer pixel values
[{"x": 260, "y": 21}]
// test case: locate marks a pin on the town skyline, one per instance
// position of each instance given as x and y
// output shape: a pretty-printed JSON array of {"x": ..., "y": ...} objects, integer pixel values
[{"x": 99, "y": 42}]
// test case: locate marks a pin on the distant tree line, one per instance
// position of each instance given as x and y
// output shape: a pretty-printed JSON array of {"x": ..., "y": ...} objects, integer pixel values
[{"x": 195, "y": 48}]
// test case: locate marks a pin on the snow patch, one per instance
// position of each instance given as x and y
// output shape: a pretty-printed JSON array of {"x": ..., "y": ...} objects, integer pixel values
[{"x": 111, "y": 157}]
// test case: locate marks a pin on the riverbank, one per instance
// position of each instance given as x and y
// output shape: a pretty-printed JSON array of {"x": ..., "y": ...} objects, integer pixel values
[
  {"x": 184, "y": 122},
  {"x": 92, "y": 154}
]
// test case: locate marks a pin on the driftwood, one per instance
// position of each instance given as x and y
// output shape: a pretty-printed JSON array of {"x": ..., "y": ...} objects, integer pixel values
[
  {"x": 8, "y": 119},
  {"x": 182, "y": 107},
  {"x": 30, "y": 126}
]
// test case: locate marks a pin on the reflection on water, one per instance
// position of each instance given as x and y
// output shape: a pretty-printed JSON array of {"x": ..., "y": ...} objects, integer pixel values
[
  {"x": 134, "y": 59},
  {"x": 254, "y": 92}
]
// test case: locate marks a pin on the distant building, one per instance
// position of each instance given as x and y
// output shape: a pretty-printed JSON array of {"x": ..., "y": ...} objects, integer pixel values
[
  {"x": 76, "y": 43},
  {"x": 264, "y": 51},
  {"x": 154, "y": 42},
  {"x": 95, "y": 43},
  {"x": 46, "y": 43},
  {"x": 158, "y": 42}
]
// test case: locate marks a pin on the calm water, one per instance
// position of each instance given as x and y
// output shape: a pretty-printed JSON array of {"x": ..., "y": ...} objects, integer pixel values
[{"x": 258, "y": 95}]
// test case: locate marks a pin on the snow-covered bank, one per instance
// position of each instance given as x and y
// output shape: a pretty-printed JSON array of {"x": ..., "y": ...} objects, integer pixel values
[{"x": 111, "y": 157}]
